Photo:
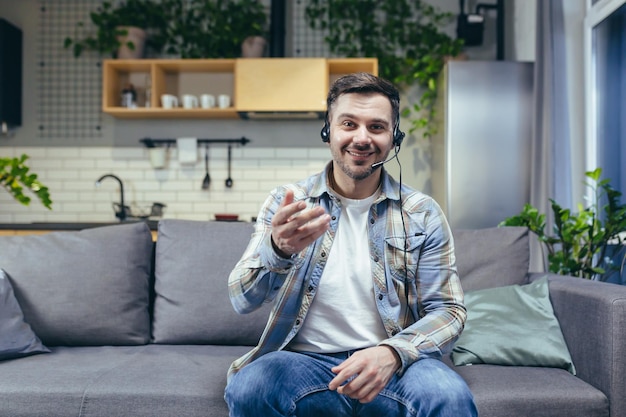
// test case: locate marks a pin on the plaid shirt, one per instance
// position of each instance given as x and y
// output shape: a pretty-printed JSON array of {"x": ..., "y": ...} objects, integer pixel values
[{"x": 435, "y": 315}]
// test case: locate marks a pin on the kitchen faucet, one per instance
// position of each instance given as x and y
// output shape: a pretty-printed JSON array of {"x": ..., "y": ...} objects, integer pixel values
[{"x": 121, "y": 213}]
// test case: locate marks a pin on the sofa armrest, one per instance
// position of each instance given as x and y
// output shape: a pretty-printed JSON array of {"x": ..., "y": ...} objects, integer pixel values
[{"x": 592, "y": 316}]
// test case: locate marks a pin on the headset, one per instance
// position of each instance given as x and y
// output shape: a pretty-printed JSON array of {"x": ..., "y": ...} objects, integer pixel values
[{"x": 398, "y": 135}]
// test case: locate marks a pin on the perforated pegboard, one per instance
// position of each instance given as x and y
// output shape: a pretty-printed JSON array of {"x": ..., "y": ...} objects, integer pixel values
[
  {"x": 68, "y": 88},
  {"x": 306, "y": 41}
]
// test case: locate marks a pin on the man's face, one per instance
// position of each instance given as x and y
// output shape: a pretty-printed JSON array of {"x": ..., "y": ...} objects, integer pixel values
[{"x": 360, "y": 134}]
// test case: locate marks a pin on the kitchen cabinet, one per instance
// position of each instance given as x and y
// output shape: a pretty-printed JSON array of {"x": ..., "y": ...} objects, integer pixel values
[{"x": 265, "y": 85}]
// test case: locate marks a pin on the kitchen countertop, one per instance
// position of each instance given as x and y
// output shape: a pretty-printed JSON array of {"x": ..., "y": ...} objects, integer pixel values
[{"x": 152, "y": 224}]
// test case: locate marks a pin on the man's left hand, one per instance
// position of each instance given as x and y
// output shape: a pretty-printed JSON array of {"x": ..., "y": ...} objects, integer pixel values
[{"x": 372, "y": 369}]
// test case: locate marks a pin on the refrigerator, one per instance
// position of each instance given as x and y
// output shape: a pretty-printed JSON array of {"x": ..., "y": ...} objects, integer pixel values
[{"x": 480, "y": 167}]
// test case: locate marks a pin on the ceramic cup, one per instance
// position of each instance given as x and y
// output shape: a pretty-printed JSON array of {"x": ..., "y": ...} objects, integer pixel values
[
  {"x": 189, "y": 101},
  {"x": 207, "y": 101},
  {"x": 158, "y": 157},
  {"x": 223, "y": 101},
  {"x": 169, "y": 101}
]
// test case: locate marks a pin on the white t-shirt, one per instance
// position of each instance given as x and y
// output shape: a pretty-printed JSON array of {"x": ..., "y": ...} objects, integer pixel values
[{"x": 343, "y": 315}]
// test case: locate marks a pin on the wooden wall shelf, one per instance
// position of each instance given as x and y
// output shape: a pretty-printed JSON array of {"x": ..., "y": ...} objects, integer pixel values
[{"x": 254, "y": 85}]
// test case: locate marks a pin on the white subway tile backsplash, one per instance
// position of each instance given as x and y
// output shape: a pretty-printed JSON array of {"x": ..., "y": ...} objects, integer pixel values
[
  {"x": 148, "y": 185},
  {"x": 95, "y": 153},
  {"x": 77, "y": 164},
  {"x": 84, "y": 186},
  {"x": 260, "y": 154},
  {"x": 38, "y": 153},
  {"x": 319, "y": 153},
  {"x": 77, "y": 207},
  {"x": 283, "y": 163},
  {"x": 260, "y": 174},
  {"x": 162, "y": 197},
  {"x": 70, "y": 174},
  {"x": 59, "y": 174},
  {"x": 129, "y": 153},
  {"x": 61, "y": 153},
  {"x": 105, "y": 166},
  {"x": 291, "y": 154}
]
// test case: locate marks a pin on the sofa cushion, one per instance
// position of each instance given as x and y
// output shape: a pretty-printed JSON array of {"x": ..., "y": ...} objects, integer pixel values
[
  {"x": 492, "y": 257},
  {"x": 138, "y": 381},
  {"x": 17, "y": 339},
  {"x": 513, "y": 325},
  {"x": 192, "y": 306},
  {"x": 83, "y": 288},
  {"x": 503, "y": 391}
]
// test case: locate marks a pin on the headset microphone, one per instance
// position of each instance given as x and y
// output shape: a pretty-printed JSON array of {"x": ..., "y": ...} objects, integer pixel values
[{"x": 377, "y": 164}]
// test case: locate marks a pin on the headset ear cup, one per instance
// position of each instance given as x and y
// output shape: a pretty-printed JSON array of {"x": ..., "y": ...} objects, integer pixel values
[
  {"x": 325, "y": 133},
  {"x": 398, "y": 137}
]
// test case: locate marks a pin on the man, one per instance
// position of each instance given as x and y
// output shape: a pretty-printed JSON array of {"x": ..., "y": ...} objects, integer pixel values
[{"x": 361, "y": 272}]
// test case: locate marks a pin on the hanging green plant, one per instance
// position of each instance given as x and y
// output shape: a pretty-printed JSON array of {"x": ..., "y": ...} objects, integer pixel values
[
  {"x": 404, "y": 35},
  {"x": 14, "y": 176},
  {"x": 579, "y": 243},
  {"x": 212, "y": 28},
  {"x": 110, "y": 25}
]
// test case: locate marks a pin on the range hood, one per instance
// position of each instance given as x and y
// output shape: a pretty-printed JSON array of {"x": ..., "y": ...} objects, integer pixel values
[
  {"x": 290, "y": 88},
  {"x": 281, "y": 115}
]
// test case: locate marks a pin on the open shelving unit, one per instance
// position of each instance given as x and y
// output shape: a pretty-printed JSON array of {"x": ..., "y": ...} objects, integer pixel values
[{"x": 245, "y": 80}]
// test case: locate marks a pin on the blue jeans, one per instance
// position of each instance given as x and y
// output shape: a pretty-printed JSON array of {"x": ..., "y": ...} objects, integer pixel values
[{"x": 287, "y": 383}]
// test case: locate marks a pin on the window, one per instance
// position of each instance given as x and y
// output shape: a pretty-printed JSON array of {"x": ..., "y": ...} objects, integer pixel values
[{"x": 606, "y": 91}]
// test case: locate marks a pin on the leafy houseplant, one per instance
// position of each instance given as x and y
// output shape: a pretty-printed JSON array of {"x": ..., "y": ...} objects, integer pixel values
[
  {"x": 212, "y": 28},
  {"x": 580, "y": 241},
  {"x": 112, "y": 22},
  {"x": 14, "y": 177},
  {"x": 402, "y": 34}
]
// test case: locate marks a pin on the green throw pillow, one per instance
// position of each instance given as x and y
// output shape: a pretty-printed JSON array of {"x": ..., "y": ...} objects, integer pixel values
[{"x": 513, "y": 325}]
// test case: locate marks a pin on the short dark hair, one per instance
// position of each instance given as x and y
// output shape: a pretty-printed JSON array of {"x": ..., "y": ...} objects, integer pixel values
[{"x": 363, "y": 82}]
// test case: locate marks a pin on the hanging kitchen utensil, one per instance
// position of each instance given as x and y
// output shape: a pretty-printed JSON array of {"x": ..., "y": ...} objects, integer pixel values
[
  {"x": 206, "y": 182},
  {"x": 229, "y": 180}
]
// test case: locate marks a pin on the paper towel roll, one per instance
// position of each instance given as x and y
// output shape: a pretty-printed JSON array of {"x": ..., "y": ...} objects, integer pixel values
[{"x": 187, "y": 150}]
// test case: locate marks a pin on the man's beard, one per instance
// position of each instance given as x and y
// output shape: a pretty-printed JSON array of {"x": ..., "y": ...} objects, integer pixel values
[{"x": 361, "y": 174}]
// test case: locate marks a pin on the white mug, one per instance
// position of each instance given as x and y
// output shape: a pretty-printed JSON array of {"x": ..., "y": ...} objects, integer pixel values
[
  {"x": 207, "y": 101},
  {"x": 158, "y": 157},
  {"x": 169, "y": 101},
  {"x": 223, "y": 101},
  {"x": 190, "y": 101}
]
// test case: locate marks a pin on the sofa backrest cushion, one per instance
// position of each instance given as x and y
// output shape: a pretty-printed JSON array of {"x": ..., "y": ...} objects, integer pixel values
[
  {"x": 17, "y": 339},
  {"x": 492, "y": 257},
  {"x": 191, "y": 306},
  {"x": 83, "y": 288}
]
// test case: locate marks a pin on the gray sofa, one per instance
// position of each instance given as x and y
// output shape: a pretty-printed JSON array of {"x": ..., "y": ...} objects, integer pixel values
[{"x": 137, "y": 329}]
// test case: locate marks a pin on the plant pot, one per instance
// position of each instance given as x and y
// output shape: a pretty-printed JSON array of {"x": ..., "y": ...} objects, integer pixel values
[
  {"x": 253, "y": 47},
  {"x": 135, "y": 35}
]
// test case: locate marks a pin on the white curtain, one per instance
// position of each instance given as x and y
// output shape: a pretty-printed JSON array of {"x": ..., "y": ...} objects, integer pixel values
[{"x": 551, "y": 154}]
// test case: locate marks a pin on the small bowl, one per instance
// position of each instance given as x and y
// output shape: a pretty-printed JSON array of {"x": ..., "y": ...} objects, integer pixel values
[{"x": 226, "y": 217}]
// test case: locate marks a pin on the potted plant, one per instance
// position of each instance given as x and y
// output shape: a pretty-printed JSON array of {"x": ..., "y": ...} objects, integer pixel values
[
  {"x": 250, "y": 28},
  {"x": 14, "y": 176},
  {"x": 121, "y": 29},
  {"x": 580, "y": 243},
  {"x": 212, "y": 28},
  {"x": 405, "y": 37}
]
